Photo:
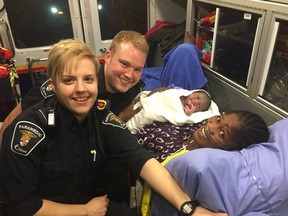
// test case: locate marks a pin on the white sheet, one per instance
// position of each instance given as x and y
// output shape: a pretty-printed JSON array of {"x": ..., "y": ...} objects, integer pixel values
[{"x": 166, "y": 106}]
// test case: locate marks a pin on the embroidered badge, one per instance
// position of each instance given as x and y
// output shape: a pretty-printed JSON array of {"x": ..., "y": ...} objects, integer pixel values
[
  {"x": 26, "y": 137},
  {"x": 46, "y": 89},
  {"x": 113, "y": 120},
  {"x": 101, "y": 104}
]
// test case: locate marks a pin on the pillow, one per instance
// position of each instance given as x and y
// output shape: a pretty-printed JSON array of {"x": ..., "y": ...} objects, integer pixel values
[{"x": 243, "y": 182}]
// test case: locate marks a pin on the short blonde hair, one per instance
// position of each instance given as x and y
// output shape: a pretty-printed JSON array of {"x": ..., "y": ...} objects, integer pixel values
[
  {"x": 130, "y": 36},
  {"x": 63, "y": 52}
]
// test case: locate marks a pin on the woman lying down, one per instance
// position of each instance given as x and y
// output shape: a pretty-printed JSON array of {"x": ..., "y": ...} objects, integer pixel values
[
  {"x": 177, "y": 106},
  {"x": 229, "y": 131}
]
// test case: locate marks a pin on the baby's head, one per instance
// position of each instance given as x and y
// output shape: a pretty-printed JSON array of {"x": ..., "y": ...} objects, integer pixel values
[{"x": 198, "y": 100}]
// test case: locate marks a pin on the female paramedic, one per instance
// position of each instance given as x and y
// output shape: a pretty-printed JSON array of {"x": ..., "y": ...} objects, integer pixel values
[{"x": 52, "y": 153}]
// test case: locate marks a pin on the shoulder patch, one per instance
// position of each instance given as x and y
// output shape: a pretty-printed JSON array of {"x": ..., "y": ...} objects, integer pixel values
[
  {"x": 113, "y": 120},
  {"x": 26, "y": 137},
  {"x": 46, "y": 89}
]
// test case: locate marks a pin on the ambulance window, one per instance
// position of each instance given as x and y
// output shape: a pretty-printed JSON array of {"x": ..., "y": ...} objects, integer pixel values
[
  {"x": 115, "y": 16},
  {"x": 37, "y": 23}
]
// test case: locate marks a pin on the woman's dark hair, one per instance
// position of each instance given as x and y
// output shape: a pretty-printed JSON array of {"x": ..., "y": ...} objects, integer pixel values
[{"x": 253, "y": 130}]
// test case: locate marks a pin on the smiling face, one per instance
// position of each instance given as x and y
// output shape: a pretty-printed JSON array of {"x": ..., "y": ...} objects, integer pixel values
[
  {"x": 123, "y": 67},
  {"x": 219, "y": 132},
  {"x": 77, "y": 87}
]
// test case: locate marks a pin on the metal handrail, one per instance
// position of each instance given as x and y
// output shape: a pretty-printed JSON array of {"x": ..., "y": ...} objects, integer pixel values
[{"x": 31, "y": 61}]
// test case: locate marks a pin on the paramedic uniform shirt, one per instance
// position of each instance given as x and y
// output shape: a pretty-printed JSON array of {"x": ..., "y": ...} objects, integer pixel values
[
  {"x": 58, "y": 163},
  {"x": 118, "y": 101},
  {"x": 118, "y": 188},
  {"x": 42, "y": 89}
]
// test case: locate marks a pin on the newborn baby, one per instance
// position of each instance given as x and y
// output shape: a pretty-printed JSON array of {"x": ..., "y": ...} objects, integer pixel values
[
  {"x": 198, "y": 100},
  {"x": 178, "y": 106}
]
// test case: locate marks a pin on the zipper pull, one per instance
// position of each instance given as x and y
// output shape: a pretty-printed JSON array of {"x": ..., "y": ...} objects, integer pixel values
[{"x": 93, "y": 152}]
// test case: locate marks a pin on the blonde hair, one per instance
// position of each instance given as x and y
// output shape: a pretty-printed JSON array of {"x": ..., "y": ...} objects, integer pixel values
[
  {"x": 130, "y": 36},
  {"x": 63, "y": 52}
]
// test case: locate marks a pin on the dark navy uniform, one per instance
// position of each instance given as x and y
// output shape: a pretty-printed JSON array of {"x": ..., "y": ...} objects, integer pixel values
[
  {"x": 63, "y": 162},
  {"x": 41, "y": 89},
  {"x": 118, "y": 188}
]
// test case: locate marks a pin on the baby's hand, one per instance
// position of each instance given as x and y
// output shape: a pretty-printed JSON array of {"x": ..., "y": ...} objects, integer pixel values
[{"x": 189, "y": 109}]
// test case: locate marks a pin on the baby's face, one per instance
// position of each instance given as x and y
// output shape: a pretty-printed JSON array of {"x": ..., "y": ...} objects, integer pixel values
[{"x": 195, "y": 102}]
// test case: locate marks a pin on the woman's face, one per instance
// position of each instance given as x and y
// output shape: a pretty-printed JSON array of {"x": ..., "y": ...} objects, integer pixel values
[
  {"x": 218, "y": 132},
  {"x": 77, "y": 87}
]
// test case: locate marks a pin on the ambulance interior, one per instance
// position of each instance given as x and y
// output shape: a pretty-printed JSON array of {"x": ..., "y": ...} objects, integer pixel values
[{"x": 245, "y": 59}]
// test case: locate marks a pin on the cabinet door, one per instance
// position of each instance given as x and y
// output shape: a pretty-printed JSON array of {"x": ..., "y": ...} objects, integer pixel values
[
  {"x": 226, "y": 37},
  {"x": 274, "y": 82}
]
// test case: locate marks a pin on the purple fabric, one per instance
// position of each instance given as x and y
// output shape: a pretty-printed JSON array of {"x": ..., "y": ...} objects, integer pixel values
[
  {"x": 164, "y": 138},
  {"x": 151, "y": 78},
  {"x": 182, "y": 67}
]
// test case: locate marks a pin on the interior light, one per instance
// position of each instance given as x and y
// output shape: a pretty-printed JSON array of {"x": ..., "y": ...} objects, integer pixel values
[{"x": 54, "y": 10}]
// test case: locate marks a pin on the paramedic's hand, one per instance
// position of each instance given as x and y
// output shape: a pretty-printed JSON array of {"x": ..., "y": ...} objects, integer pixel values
[
  {"x": 129, "y": 111},
  {"x": 97, "y": 206},
  {"x": 199, "y": 211}
]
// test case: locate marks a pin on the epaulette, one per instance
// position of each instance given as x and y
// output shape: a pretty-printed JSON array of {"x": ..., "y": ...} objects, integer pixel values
[
  {"x": 46, "y": 89},
  {"x": 42, "y": 115}
]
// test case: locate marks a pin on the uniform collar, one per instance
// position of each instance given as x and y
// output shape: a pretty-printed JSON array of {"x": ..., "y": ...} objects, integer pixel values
[{"x": 66, "y": 116}]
